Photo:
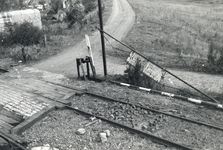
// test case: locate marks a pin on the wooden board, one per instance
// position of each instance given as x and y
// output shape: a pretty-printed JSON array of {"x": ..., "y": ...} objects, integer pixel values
[
  {"x": 5, "y": 125},
  {"x": 32, "y": 120},
  {"x": 11, "y": 115},
  {"x": 8, "y": 120}
]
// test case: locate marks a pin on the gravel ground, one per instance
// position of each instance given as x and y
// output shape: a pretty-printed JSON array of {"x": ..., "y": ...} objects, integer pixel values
[{"x": 59, "y": 128}]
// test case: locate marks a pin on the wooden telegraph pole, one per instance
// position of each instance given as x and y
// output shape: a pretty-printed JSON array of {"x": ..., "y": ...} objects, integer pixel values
[{"x": 102, "y": 38}]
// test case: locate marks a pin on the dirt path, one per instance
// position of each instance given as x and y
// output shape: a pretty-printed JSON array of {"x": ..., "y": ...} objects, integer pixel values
[{"x": 119, "y": 23}]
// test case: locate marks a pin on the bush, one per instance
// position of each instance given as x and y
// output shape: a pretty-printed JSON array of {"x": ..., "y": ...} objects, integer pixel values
[
  {"x": 89, "y": 5},
  {"x": 74, "y": 15},
  {"x": 134, "y": 74},
  {"x": 20, "y": 35},
  {"x": 24, "y": 34},
  {"x": 6, "y": 5},
  {"x": 215, "y": 58}
]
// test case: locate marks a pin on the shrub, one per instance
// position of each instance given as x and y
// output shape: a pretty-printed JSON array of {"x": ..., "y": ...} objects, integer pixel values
[
  {"x": 74, "y": 15},
  {"x": 24, "y": 34},
  {"x": 215, "y": 58},
  {"x": 134, "y": 74},
  {"x": 89, "y": 5},
  {"x": 6, "y": 5}
]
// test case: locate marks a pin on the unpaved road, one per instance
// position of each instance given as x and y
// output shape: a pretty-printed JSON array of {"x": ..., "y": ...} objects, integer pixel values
[{"x": 119, "y": 23}]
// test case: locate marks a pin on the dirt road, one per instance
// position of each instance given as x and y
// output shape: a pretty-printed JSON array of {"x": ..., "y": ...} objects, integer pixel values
[{"x": 119, "y": 23}]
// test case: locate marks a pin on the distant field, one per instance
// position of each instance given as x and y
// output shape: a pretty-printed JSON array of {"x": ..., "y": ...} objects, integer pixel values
[{"x": 177, "y": 33}]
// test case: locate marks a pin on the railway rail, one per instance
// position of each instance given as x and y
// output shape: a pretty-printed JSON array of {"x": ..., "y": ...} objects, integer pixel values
[{"x": 145, "y": 134}]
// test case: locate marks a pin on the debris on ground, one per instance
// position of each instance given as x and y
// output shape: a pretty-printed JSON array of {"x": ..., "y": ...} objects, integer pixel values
[
  {"x": 93, "y": 122},
  {"x": 103, "y": 137},
  {"x": 108, "y": 133},
  {"x": 81, "y": 131}
]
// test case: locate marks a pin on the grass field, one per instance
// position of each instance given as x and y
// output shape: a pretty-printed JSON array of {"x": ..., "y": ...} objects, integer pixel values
[{"x": 177, "y": 33}]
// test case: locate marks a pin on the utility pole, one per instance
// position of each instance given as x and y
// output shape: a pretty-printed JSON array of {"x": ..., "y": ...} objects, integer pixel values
[{"x": 102, "y": 38}]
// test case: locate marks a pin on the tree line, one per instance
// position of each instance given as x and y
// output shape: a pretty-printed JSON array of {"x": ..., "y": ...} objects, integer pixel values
[{"x": 6, "y": 5}]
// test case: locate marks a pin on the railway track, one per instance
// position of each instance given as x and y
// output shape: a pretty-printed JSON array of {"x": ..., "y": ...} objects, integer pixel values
[
  {"x": 138, "y": 118},
  {"x": 129, "y": 110},
  {"x": 146, "y": 108},
  {"x": 144, "y": 134}
]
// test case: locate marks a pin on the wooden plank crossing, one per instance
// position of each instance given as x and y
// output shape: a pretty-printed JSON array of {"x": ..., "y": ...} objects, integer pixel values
[
  {"x": 24, "y": 101},
  {"x": 26, "y": 98},
  {"x": 21, "y": 102},
  {"x": 32, "y": 88},
  {"x": 42, "y": 88}
]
